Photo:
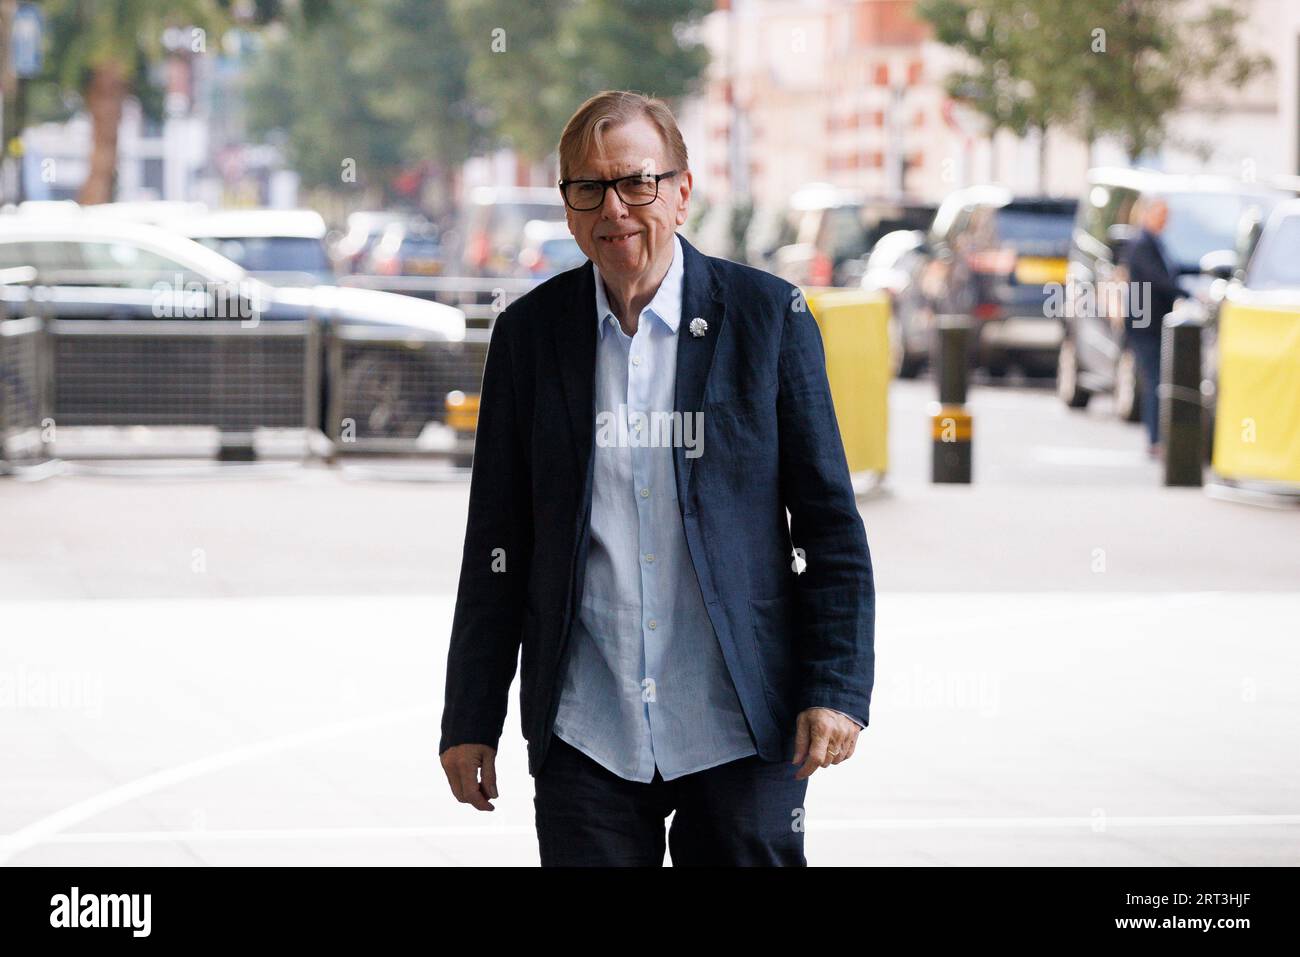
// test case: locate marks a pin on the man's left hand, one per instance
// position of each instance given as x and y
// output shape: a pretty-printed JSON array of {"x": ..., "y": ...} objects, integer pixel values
[{"x": 823, "y": 737}]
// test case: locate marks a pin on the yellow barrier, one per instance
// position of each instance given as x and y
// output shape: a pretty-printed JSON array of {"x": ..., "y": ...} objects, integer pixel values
[
  {"x": 855, "y": 333},
  {"x": 1257, "y": 421}
]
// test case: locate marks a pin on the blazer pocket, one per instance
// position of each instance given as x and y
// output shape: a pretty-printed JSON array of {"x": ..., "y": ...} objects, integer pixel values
[{"x": 774, "y": 639}]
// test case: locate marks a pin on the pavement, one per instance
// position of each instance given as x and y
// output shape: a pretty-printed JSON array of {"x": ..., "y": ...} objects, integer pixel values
[{"x": 245, "y": 666}]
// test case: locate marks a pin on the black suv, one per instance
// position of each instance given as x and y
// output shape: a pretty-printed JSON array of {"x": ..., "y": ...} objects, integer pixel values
[
  {"x": 994, "y": 257},
  {"x": 1205, "y": 213}
]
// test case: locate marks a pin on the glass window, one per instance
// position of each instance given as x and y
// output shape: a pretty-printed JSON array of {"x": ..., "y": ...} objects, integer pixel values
[
  {"x": 47, "y": 256},
  {"x": 1042, "y": 230},
  {"x": 273, "y": 253},
  {"x": 128, "y": 266},
  {"x": 1276, "y": 262},
  {"x": 1201, "y": 223},
  {"x": 1105, "y": 206}
]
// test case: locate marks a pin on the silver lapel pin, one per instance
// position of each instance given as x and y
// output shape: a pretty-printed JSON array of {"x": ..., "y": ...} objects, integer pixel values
[{"x": 698, "y": 327}]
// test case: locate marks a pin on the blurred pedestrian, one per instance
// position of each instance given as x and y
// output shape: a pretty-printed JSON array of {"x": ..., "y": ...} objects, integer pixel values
[
  {"x": 1153, "y": 278},
  {"x": 647, "y": 419}
]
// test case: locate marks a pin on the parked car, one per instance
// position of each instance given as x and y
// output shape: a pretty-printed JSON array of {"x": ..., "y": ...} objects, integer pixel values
[
  {"x": 1205, "y": 213},
  {"x": 894, "y": 267},
  {"x": 98, "y": 268},
  {"x": 833, "y": 228},
  {"x": 770, "y": 227},
  {"x": 993, "y": 257},
  {"x": 492, "y": 230},
  {"x": 407, "y": 248},
  {"x": 284, "y": 247},
  {"x": 549, "y": 248},
  {"x": 1261, "y": 273},
  {"x": 365, "y": 227}
]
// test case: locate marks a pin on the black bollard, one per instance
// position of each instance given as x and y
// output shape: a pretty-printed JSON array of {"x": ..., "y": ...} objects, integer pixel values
[
  {"x": 1182, "y": 421},
  {"x": 950, "y": 422}
]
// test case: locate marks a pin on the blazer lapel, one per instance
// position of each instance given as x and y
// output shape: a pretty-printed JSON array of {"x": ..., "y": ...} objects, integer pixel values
[
  {"x": 700, "y": 299},
  {"x": 575, "y": 342}
]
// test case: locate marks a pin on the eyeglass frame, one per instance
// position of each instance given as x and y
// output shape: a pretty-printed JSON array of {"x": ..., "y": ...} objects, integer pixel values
[{"x": 607, "y": 183}]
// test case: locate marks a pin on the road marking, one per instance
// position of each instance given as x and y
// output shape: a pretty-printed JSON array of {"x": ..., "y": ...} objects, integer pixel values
[
  {"x": 1099, "y": 823},
  {"x": 45, "y": 829}
]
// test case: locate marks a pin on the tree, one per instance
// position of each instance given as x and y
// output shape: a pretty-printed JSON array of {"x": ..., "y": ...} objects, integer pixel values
[
  {"x": 1145, "y": 57},
  {"x": 1117, "y": 67},
  {"x": 102, "y": 50},
  {"x": 534, "y": 63},
  {"x": 379, "y": 90}
]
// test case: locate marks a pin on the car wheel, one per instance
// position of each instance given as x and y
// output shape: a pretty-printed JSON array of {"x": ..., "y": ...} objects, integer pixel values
[
  {"x": 1067, "y": 377},
  {"x": 1128, "y": 403},
  {"x": 378, "y": 387},
  {"x": 997, "y": 368}
]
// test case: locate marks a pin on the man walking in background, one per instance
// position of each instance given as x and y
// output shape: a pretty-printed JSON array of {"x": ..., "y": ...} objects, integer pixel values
[
  {"x": 647, "y": 420},
  {"x": 1148, "y": 262}
]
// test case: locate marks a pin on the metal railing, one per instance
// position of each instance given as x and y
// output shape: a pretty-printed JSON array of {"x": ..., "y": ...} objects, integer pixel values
[
  {"x": 21, "y": 377},
  {"x": 367, "y": 389},
  {"x": 165, "y": 372}
]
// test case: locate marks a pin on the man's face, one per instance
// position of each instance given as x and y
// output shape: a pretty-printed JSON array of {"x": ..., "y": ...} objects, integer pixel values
[
  {"x": 1157, "y": 215},
  {"x": 624, "y": 241}
]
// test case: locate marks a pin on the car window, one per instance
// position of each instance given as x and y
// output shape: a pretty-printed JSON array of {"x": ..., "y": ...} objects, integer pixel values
[
  {"x": 1203, "y": 222},
  {"x": 1105, "y": 206},
  {"x": 273, "y": 253},
  {"x": 1276, "y": 264},
  {"x": 47, "y": 256},
  {"x": 846, "y": 235},
  {"x": 128, "y": 266},
  {"x": 1035, "y": 230},
  {"x": 420, "y": 246},
  {"x": 563, "y": 251}
]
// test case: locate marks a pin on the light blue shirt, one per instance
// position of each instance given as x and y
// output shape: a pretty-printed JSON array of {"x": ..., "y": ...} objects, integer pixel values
[{"x": 645, "y": 684}]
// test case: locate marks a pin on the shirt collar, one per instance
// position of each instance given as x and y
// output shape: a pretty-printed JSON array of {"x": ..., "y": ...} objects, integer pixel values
[{"x": 667, "y": 301}]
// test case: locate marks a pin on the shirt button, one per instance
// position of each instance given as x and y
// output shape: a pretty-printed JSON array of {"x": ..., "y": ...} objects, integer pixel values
[
  {"x": 650, "y": 556},
  {"x": 652, "y": 624},
  {"x": 636, "y": 360},
  {"x": 645, "y": 493}
]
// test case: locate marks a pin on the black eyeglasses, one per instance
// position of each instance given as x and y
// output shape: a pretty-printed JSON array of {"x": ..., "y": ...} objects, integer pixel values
[{"x": 639, "y": 189}]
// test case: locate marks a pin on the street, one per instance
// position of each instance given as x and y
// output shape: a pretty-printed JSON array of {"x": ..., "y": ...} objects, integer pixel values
[{"x": 1074, "y": 664}]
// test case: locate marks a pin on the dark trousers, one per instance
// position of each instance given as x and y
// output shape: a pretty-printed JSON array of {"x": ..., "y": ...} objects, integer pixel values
[
  {"x": 1146, "y": 350},
  {"x": 745, "y": 813}
]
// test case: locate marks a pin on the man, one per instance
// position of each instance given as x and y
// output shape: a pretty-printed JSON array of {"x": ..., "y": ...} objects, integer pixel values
[
  {"x": 1148, "y": 262},
  {"x": 646, "y": 421}
]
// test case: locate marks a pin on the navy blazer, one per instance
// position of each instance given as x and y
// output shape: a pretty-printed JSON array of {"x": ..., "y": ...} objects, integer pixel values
[
  {"x": 1146, "y": 265},
  {"x": 770, "y": 443}
]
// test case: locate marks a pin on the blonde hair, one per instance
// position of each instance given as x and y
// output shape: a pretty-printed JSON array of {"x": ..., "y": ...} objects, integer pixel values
[{"x": 611, "y": 108}]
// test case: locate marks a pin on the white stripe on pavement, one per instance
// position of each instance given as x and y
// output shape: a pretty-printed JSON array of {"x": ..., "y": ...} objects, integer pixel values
[
  {"x": 1099, "y": 824},
  {"x": 46, "y": 828}
]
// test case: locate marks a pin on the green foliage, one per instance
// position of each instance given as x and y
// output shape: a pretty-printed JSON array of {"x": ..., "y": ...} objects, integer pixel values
[
  {"x": 1106, "y": 67},
  {"x": 85, "y": 34},
  {"x": 394, "y": 83},
  {"x": 559, "y": 52},
  {"x": 311, "y": 85}
]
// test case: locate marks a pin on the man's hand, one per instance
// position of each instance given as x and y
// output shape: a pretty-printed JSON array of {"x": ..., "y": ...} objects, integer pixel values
[
  {"x": 820, "y": 732},
  {"x": 462, "y": 764}
]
